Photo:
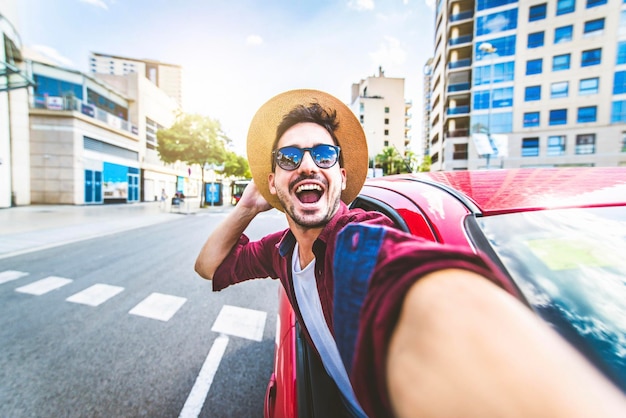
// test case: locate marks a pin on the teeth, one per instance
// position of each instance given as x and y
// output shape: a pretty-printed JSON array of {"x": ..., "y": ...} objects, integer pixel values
[{"x": 305, "y": 187}]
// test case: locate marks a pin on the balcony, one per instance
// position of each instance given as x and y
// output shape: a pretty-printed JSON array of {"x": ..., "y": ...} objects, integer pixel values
[
  {"x": 77, "y": 105},
  {"x": 459, "y": 40},
  {"x": 462, "y": 63},
  {"x": 458, "y": 87},
  {"x": 467, "y": 14},
  {"x": 459, "y": 110}
]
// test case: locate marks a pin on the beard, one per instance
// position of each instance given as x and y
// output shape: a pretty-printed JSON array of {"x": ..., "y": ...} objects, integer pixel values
[{"x": 313, "y": 218}]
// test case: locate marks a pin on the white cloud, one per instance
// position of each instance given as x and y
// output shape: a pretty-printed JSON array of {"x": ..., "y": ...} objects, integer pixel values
[
  {"x": 361, "y": 5},
  {"x": 430, "y": 4},
  {"x": 46, "y": 53},
  {"x": 390, "y": 53},
  {"x": 97, "y": 3},
  {"x": 254, "y": 40}
]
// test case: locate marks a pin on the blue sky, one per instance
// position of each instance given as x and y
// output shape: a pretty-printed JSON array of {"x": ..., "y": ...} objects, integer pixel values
[{"x": 236, "y": 54}]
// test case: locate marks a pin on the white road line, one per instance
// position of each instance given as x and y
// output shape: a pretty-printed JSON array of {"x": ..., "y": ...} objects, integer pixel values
[
  {"x": 201, "y": 387},
  {"x": 158, "y": 306},
  {"x": 44, "y": 285},
  {"x": 240, "y": 322},
  {"x": 95, "y": 295},
  {"x": 7, "y": 276}
]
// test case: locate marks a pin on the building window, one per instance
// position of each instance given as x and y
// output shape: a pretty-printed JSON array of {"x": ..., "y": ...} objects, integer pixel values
[
  {"x": 386, "y": 121},
  {"x": 534, "y": 66},
  {"x": 460, "y": 152},
  {"x": 623, "y": 141},
  {"x": 619, "y": 82},
  {"x": 594, "y": 27},
  {"x": 386, "y": 109},
  {"x": 535, "y": 40},
  {"x": 558, "y": 117},
  {"x": 496, "y": 122},
  {"x": 588, "y": 86},
  {"x": 587, "y": 114},
  {"x": 595, "y": 3},
  {"x": 556, "y": 145},
  {"x": 386, "y": 143},
  {"x": 481, "y": 100},
  {"x": 565, "y": 6},
  {"x": 586, "y": 144},
  {"x": 530, "y": 147},
  {"x": 559, "y": 90},
  {"x": 560, "y": 62},
  {"x": 532, "y": 93},
  {"x": 531, "y": 119},
  {"x": 496, "y": 22},
  {"x": 361, "y": 118},
  {"x": 621, "y": 53},
  {"x": 537, "y": 12},
  {"x": 501, "y": 73},
  {"x": 591, "y": 57},
  {"x": 563, "y": 34},
  {"x": 489, "y": 4},
  {"x": 618, "y": 111},
  {"x": 502, "y": 97},
  {"x": 386, "y": 132},
  {"x": 504, "y": 45}
]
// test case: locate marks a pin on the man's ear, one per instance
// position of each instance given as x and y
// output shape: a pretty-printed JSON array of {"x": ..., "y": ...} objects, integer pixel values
[
  {"x": 343, "y": 179},
  {"x": 270, "y": 179}
]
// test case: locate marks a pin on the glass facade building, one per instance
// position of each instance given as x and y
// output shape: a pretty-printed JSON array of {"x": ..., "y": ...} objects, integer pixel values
[{"x": 549, "y": 77}]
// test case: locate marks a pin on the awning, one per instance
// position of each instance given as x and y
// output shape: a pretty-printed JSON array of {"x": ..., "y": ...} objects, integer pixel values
[{"x": 11, "y": 78}]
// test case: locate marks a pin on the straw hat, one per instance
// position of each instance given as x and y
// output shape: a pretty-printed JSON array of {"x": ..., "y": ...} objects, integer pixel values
[{"x": 350, "y": 138}]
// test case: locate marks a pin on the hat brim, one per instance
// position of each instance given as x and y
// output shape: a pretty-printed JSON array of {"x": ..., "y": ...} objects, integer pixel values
[{"x": 350, "y": 138}]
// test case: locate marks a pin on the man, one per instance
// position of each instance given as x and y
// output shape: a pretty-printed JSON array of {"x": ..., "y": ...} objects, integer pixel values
[
  {"x": 429, "y": 318},
  {"x": 308, "y": 156}
]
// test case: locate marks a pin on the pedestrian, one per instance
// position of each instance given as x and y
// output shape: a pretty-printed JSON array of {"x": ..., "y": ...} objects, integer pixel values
[
  {"x": 163, "y": 199},
  {"x": 308, "y": 157}
]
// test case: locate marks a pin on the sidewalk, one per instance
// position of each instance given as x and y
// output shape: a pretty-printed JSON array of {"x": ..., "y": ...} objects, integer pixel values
[{"x": 24, "y": 229}]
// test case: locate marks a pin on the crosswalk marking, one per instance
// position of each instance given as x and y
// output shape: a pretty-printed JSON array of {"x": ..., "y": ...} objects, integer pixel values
[
  {"x": 7, "y": 276},
  {"x": 43, "y": 286},
  {"x": 158, "y": 306},
  {"x": 240, "y": 322},
  {"x": 95, "y": 295}
]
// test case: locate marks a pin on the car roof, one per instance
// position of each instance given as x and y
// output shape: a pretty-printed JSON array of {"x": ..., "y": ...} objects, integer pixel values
[{"x": 491, "y": 192}]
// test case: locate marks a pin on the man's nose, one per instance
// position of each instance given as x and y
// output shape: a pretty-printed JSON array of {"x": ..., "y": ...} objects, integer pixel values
[{"x": 308, "y": 164}]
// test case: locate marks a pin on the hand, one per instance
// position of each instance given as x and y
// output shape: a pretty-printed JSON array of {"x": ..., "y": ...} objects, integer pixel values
[{"x": 252, "y": 199}]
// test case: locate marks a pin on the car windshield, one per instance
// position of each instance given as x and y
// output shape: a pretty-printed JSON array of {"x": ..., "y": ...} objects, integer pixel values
[{"x": 570, "y": 265}]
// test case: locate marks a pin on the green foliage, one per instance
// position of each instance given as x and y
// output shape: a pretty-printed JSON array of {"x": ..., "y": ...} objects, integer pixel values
[
  {"x": 236, "y": 166},
  {"x": 391, "y": 161},
  {"x": 425, "y": 166},
  {"x": 193, "y": 139}
]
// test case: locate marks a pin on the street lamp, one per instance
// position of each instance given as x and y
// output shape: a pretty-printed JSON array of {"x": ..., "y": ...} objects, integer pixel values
[{"x": 487, "y": 48}]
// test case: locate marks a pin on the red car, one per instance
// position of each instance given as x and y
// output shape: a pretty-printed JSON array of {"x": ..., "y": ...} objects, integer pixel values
[{"x": 559, "y": 234}]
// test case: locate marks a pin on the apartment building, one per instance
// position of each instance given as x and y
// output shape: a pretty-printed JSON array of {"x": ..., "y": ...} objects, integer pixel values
[
  {"x": 528, "y": 83},
  {"x": 427, "y": 87},
  {"x": 168, "y": 77},
  {"x": 379, "y": 103}
]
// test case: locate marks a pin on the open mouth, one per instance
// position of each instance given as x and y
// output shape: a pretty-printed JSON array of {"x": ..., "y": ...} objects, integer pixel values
[{"x": 309, "y": 193}]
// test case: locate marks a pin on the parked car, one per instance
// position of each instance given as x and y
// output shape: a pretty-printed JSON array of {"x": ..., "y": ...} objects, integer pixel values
[{"x": 559, "y": 234}]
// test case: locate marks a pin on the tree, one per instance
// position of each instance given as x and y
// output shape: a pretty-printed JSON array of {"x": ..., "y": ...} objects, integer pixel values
[
  {"x": 425, "y": 166},
  {"x": 236, "y": 166},
  {"x": 391, "y": 161},
  {"x": 193, "y": 139}
]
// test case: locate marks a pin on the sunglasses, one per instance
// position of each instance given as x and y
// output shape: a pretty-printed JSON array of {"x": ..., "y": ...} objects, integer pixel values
[{"x": 290, "y": 158}]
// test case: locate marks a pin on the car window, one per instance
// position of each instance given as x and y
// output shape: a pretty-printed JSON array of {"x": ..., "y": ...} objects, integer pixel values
[{"x": 569, "y": 264}]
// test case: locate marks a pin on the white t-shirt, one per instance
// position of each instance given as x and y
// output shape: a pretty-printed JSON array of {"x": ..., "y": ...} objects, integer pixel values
[{"x": 308, "y": 299}]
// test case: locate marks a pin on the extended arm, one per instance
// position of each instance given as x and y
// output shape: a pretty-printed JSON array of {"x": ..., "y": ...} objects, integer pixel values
[
  {"x": 464, "y": 347},
  {"x": 226, "y": 234}
]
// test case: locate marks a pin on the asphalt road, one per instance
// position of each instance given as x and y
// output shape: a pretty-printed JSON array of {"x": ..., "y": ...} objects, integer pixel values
[{"x": 128, "y": 328}]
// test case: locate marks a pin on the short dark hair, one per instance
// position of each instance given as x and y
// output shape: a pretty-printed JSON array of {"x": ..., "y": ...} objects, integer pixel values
[{"x": 313, "y": 113}]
